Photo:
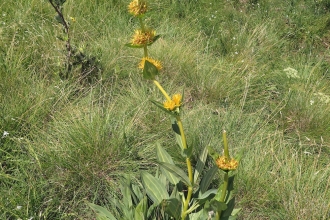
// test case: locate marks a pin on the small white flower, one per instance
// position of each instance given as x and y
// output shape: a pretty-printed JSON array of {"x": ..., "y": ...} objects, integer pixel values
[
  {"x": 18, "y": 207},
  {"x": 291, "y": 73},
  {"x": 311, "y": 102},
  {"x": 5, "y": 134}
]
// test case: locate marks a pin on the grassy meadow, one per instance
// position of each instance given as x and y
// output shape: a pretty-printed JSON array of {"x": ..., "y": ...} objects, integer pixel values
[{"x": 257, "y": 68}]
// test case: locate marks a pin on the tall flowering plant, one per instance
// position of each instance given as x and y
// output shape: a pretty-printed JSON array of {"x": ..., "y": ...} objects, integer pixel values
[{"x": 175, "y": 193}]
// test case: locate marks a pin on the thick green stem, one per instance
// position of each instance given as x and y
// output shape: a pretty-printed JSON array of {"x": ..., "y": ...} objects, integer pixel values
[
  {"x": 183, "y": 137},
  {"x": 223, "y": 193},
  {"x": 189, "y": 167},
  {"x": 162, "y": 90},
  {"x": 145, "y": 50},
  {"x": 225, "y": 143},
  {"x": 143, "y": 28},
  {"x": 188, "y": 162}
]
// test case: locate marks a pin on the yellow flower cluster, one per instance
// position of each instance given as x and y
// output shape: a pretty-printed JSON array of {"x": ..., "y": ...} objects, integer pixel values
[
  {"x": 143, "y": 37},
  {"x": 137, "y": 7},
  {"x": 226, "y": 164},
  {"x": 156, "y": 63},
  {"x": 174, "y": 103}
]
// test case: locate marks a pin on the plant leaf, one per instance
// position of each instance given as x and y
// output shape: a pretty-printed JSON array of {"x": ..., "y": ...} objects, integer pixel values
[
  {"x": 218, "y": 206},
  {"x": 200, "y": 164},
  {"x": 163, "y": 156},
  {"x": 137, "y": 192},
  {"x": 126, "y": 192},
  {"x": 230, "y": 208},
  {"x": 177, "y": 172},
  {"x": 207, "y": 194},
  {"x": 151, "y": 211},
  {"x": 133, "y": 45},
  {"x": 207, "y": 178},
  {"x": 187, "y": 152},
  {"x": 230, "y": 188},
  {"x": 140, "y": 212},
  {"x": 101, "y": 213},
  {"x": 154, "y": 187},
  {"x": 173, "y": 207},
  {"x": 202, "y": 214},
  {"x": 149, "y": 71}
]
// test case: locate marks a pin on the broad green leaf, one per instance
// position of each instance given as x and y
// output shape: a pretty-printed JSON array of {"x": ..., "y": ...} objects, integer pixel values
[
  {"x": 235, "y": 211},
  {"x": 154, "y": 188},
  {"x": 195, "y": 204},
  {"x": 133, "y": 45},
  {"x": 207, "y": 178},
  {"x": 154, "y": 40},
  {"x": 163, "y": 156},
  {"x": 207, "y": 194},
  {"x": 230, "y": 188},
  {"x": 218, "y": 195},
  {"x": 151, "y": 211},
  {"x": 126, "y": 192},
  {"x": 230, "y": 208},
  {"x": 187, "y": 152},
  {"x": 173, "y": 207},
  {"x": 150, "y": 71},
  {"x": 137, "y": 192},
  {"x": 200, "y": 164},
  {"x": 162, "y": 179},
  {"x": 202, "y": 214},
  {"x": 102, "y": 213},
  {"x": 218, "y": 206},
  {"x": 175, "y": 192},
  {"x": 177, "y": 172},
  {"x": 140, "y": 212}
]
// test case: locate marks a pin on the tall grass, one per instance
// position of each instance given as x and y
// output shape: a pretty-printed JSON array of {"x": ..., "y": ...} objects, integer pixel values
[{"x": 69, "y": 142}]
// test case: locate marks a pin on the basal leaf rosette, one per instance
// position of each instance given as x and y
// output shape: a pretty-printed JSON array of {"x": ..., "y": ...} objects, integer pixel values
[{"x": 138, "y": 7}]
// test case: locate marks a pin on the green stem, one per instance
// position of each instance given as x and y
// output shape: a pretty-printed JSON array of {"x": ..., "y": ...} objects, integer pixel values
[
  {"x": 162, "y": 90},
  {"x": 223, "y": 193},
  {"x": 143, "y": 28},
  {"x": 145, "y": 49},
  {"x": 142, "y": 24},
  {"x": 225, "y": 143},
  {"x": 183, "y": 136},
  {"x": 189, "y": 167}
]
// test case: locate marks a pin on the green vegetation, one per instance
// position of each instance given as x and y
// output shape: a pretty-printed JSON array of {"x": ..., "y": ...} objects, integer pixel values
[{"x": 259, "y": 69}]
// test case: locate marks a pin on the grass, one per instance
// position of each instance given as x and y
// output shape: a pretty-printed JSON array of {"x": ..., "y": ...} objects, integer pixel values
[{"x": 71, "y": 142}]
